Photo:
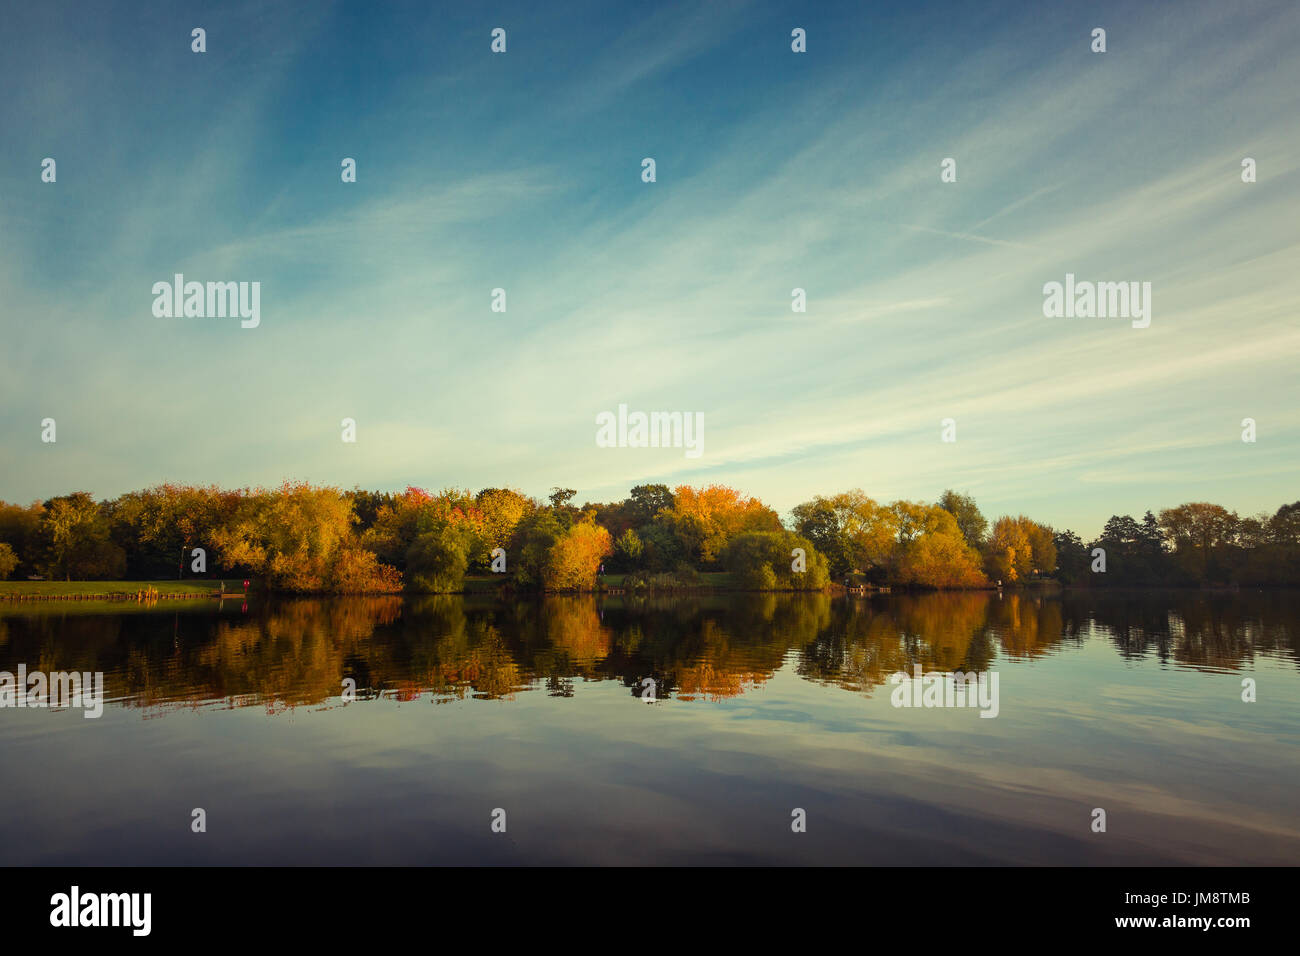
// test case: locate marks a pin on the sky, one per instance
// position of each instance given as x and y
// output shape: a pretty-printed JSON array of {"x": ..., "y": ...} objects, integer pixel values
[{"x": 775, "y": 170}]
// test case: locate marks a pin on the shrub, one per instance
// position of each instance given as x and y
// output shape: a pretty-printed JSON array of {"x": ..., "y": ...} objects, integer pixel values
[
  {"x": 762, "y": 561},
  {"x": 437, "y": 561}
]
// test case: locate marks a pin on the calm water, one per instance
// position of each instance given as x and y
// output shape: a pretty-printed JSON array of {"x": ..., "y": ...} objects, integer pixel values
[{"x": 1131, "y": 703}]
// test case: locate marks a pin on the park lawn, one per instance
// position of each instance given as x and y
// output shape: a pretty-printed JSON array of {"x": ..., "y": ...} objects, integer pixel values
[
  {"x": 187, "y": 586},
  {"x": 709, "y": 581},
  {"x": 483, "y": 583}
]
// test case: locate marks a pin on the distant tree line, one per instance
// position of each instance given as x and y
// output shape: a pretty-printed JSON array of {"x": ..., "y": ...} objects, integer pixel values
[
  {"x": 304, "y": 538},
  {"x": 1193, "y": 545}
]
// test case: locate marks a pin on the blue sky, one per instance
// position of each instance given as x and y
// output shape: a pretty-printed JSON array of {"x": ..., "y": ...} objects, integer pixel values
[{"x": 775, "y": 170}]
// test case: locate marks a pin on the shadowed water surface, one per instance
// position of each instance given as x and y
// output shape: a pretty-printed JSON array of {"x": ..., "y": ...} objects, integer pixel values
[{"x": 763, "y": 704}]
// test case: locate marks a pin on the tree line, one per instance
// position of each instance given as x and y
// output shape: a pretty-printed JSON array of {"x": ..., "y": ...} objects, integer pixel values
[{"x": 304, "y": 538}]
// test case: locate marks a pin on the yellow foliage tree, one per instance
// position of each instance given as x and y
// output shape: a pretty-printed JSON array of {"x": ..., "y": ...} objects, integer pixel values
[
  {"x": 932, "y": 551},
  {"x": 1019, "y": 547},
  {"x": 574, "y": 559},
  {"x": 703, "y": 519}
]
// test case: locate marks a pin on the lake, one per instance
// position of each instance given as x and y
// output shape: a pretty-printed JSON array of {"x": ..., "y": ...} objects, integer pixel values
[{"x": 489, "y": 732}]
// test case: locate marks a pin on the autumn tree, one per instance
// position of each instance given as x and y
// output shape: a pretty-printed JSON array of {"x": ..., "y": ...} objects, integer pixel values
[
  {"x": 8, "y": 560},
  {"x": 502, "y": 509},
  {"x": 354, "y": 570},
  {"x": 367, "y": 504},
  {"x": 298, "y": 538},
  {"x": 703, "y": 519},
  {"x": 160, "y": 526},
  {"x": 1009, "y": 555},
  {"x": 575, "y": 557},
  {"x": 870, "y": 530},
  {"x": 1042, "y": 547},
  {"x": 1197, "y": 530},
  {"x": 1018, "y": 549},
  {"x": 415, "y": 512},
  {"x": 1284, "y": 526},
  {"x": 931, "y": 550},
  {"x": 20, "y": 528}
]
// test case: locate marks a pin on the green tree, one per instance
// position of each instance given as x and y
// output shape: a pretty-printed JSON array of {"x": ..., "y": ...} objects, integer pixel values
[
  {"x": 628, "y": 550},
  {"x": 75, "y": 534},
  {"x": 972, "y": 524},
  {"x": 560, "y": 498},
  {"x": 852, "y": 530},
  {"x": 1073, "y": 562},
  {"x": 533, "y": 541},
  {"x": 644, "y": 503},
  {"x": 765, "y": 561},
  {"x": 818, "y": 521},
  {"x": 663, "y": 550},
  {"x": 437, "y": 561}
]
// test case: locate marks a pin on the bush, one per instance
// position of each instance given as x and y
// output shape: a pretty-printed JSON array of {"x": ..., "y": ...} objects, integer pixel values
[
  {"x": 533, "y": 540},
  {"x": 757, "y": 577},
  {"x": 437, "y": 561},
  {"x": 358, "y": 571},
  {"x": 763, "y": 561},
  {"x": 628, "y": 551}
]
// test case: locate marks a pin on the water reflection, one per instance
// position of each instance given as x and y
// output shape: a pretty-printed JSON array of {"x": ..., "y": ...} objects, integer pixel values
[
  {"x": 767, "y": 702},
  {"x": 297, "y": 653}
]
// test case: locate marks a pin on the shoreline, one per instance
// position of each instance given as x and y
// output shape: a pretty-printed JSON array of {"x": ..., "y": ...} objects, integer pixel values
[
  {"x": 114, "y": 592},
  {"x": 151, "y": 592}
]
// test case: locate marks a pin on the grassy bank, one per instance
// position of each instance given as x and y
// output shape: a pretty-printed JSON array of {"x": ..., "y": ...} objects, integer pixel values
[
  {"x": 114, "y": 590},
  {"x": 202, "y": 588}
]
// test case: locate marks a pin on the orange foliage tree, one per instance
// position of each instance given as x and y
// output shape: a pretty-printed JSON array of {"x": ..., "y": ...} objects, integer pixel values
[
  {"x": 704, "y": 519},
  {"x": 575, "y": 558}
]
